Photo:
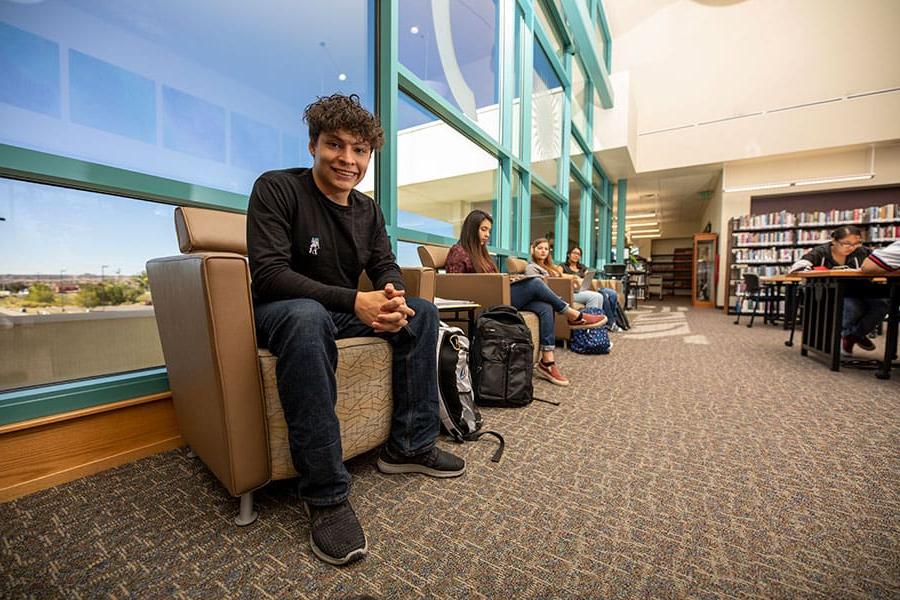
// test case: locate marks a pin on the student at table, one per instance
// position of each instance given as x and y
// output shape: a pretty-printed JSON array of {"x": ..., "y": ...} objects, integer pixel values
[
  {"x": 862, "y": 310},
  {"x": 883, "y": 260}
]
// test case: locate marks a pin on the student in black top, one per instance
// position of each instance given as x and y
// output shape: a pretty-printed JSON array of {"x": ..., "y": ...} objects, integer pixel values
[
  {"x": 310, "y": 234},
  {"x": 863, "y": 310}
]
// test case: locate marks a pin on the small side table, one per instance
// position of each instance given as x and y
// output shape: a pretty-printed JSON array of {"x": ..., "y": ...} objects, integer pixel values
[{"x": 458, "y": 312}]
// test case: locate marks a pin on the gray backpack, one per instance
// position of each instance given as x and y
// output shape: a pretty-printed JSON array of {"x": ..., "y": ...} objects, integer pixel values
[{"x": 460, "y": 417}]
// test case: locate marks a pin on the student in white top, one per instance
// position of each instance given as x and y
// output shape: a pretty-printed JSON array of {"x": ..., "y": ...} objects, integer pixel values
[{"x": 883, "y": 260}]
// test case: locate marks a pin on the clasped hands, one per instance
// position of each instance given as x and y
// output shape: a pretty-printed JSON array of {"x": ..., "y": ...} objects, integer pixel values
[{"x": 385, "y": 310}]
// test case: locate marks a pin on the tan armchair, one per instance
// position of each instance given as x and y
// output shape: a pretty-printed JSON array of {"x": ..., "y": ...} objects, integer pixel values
[
  {"x": 223, "y": 386},
  {"x": 486, "y": 289}
]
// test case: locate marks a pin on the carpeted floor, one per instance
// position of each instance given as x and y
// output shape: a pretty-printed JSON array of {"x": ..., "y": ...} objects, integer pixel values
[{"x": 699, "y": 459}]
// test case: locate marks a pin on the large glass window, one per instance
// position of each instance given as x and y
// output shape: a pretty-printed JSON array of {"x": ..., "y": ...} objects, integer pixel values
[
  {"x": 515, "y": 208},
  {"x": 580, "y": 102},
  {"x": 202, "y": 92},
  {"x": 546, "y": 119},
  {"x": 544, "y": 19},
  {"x": 599, "y": 40},
  {"x": 74, "y": 299},
  {"x": 577, "y": 154},
  {"x": 575, "y": 191},
  {"x": 453, "y": 48},
  {"x": 521, "y": 32},
  {"x": 441, "y": 174},
  {"x": 543, "y": 216}
]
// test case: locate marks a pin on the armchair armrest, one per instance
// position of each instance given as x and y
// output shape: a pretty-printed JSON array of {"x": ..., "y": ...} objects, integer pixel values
[
  {"x": 487, "y": 289},
  {"x": 562, "y": 287}
]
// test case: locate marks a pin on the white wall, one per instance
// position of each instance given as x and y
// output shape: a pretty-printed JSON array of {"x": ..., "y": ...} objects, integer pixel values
[{"x": 692, "y": 62}]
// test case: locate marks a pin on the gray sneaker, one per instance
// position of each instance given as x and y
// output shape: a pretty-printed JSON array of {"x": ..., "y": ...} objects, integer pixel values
[
  {"x": 335, "y": 533},
  {"x": 435, "y": 463}
]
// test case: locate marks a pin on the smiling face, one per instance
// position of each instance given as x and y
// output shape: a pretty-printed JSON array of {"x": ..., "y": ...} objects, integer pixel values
[
  {"x": 484, "y": 232},
  {"x": 340, "y": 160}
]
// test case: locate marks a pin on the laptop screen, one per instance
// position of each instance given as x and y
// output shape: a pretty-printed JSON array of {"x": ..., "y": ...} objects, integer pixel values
[{"x": 614, "y": 269}]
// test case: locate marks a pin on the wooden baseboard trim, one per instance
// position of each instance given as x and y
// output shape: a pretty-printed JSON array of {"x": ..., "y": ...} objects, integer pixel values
[{"x": 67, "y": 447}]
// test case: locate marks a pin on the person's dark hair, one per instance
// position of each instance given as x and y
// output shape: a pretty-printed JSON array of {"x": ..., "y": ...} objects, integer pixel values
[
  {"x": 332, "y": 113},
  {"x": 569, "y": 254},
  {"x": 547, "y": 263},
  {"x": 845, "y": 230},
  {"x": 471, "y": 243}
]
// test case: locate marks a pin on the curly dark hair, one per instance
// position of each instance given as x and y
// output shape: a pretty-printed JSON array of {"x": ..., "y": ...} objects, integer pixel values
[{"x": 331, "y": 113}]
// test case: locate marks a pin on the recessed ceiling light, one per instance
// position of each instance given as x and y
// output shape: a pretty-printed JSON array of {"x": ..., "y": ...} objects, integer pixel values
[
  {"x": 414, "y": 30},
  {"x": 641, "y": 215},
  {"x": 342, "y": 77}
]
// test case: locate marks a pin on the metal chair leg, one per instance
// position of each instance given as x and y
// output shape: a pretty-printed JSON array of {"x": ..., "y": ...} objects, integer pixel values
[
  {"x": 737, "y": 310},
  {"x": 755, "y": 308},
  {"x": 247, "y": 515}
]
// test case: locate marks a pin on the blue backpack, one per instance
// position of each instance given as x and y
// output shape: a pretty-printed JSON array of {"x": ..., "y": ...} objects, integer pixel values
[{"x": 591, "y": 341}]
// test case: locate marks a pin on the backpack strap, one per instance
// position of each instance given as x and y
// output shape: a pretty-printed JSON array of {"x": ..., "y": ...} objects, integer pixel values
[{"x": 499, "y": 453}]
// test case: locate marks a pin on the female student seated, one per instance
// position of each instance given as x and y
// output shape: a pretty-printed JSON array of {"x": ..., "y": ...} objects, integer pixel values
[
  {"x": 542, "y": 265},
  {"x": 573, "y": 266},
  {"x": 470, "y": 255},
  {"x": 862, "y": 311}
]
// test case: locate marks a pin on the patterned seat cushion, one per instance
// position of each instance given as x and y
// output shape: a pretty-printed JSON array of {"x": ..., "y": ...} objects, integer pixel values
[{"x": 363, "y": 407}]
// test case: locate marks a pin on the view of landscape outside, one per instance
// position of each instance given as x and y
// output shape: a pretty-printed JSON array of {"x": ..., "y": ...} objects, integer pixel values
[{"x": 74, "y": 297}]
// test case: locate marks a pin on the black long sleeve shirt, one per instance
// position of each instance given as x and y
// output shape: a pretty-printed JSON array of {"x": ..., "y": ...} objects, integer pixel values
[
  {"x": 303, "y": 245},
  {"x": 820, "y": 256}
]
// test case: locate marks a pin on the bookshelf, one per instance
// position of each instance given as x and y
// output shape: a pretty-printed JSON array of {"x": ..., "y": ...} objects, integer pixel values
[
  {"x": 675, "y": 270},
  {"x": 683, "y": 261},
  {"x": 769, "y": 244}
]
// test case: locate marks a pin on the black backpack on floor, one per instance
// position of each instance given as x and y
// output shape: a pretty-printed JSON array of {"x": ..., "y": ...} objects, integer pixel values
[
  {"x": 459, "y": 415},
  {"x": 502, "y": 358}
]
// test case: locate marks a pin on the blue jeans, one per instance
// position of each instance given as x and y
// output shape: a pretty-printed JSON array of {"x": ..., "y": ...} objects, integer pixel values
[
  {"x": 605, "y": 299},
  {"x": 861, "y": 315},
  {"x": 590, "y": 299},
  {"x": 610, "y": 302},
  {"x": 533, "y": 295},
  {"x": 302, "y": 334}
]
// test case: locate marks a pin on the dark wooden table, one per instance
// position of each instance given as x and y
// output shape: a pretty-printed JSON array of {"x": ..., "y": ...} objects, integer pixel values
[{"x": 823, "y": 306}]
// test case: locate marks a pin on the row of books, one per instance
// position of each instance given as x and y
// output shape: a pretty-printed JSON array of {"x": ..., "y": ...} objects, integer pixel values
[
  {"x": 779, "y": 219},
  {"x": 857, "y": 216},
  {"x": 774, "y": 238},
  {"x": 891, "y": 212},
  {"x": 879, "y": 233},
  {"x": 761, "y": 270},
  {"x": 768, "y": 255}
]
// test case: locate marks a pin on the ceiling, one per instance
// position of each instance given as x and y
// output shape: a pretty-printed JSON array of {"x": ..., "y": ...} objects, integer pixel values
[{"x": 678, "y": 197}]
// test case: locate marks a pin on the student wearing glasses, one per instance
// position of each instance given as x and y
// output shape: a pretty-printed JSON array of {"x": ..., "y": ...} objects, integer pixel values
[{"x": 862, "y": 309}]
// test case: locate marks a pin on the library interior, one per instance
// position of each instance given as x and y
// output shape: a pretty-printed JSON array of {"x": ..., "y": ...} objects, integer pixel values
[{"x": 449, "y": 298}]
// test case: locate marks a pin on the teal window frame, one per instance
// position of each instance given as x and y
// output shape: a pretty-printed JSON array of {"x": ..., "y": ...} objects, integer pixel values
[
  {"x": 23, "y": 164},
  {"x": 391, "y": 78}
]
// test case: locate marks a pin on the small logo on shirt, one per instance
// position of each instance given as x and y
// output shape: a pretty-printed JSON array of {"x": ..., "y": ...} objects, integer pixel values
[{"x": 314, "y": 246}]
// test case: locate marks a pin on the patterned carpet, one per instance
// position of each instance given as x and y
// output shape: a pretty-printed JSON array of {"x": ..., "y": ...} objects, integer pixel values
[{"x": 699, "y": 459}]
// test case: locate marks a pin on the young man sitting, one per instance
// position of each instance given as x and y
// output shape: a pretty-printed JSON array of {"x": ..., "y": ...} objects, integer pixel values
[{"x": 310, "y": 235}]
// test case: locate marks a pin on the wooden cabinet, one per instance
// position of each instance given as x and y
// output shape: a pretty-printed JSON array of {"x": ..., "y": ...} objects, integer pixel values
[{"x": 703, "y": 270}]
